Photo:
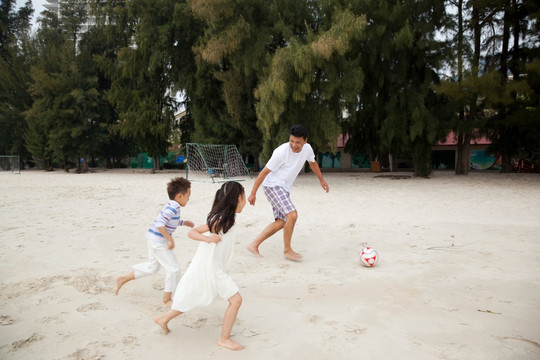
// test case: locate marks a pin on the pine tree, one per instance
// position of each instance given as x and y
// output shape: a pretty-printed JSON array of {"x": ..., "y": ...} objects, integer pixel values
[
  {"x": 15, "y": 60},
  {"x": 65, "y": 97},
  {"x": 397, "y": 111},
  {"x": 311, "y": 78},
  {"x": 515, "y": 129},
  {"x": 143, "y": 84}
]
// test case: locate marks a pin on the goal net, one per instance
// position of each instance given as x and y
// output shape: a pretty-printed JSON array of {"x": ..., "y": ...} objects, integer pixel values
[
  {"x": 215, "y": 163},
  {"x": 10, "y": 163}
]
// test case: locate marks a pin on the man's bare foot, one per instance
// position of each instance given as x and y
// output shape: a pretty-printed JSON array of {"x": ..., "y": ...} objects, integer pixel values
[
  {"x": 291, "y": 255},
  {"x": 254, "y": 250},
  {"x": 162, "y": 324},
  {"x": 167, "y": 303},
  {"x": 229, "y": 344}
]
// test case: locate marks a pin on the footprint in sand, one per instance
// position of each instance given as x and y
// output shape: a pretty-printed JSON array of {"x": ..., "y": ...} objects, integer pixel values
[
  {"x": 158, "y": 286},
  {"x": 90, "y": 284},
  {"x": 130, "y": 341},
  {"x": 197, "y": 324},
  {"x": 57, "y": 319},
  {"x": 16, "y": 345},
  {"x": 91, "y": 307},
  {"x": 6, "y": 320},
  {"x": 85, "y": 354}
]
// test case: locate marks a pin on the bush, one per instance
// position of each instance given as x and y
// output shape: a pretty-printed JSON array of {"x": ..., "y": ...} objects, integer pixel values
[{"x": 179, "y": 166}]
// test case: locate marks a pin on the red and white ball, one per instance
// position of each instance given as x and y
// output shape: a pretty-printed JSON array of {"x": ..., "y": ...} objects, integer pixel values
[{"x": 368, "y": 257}]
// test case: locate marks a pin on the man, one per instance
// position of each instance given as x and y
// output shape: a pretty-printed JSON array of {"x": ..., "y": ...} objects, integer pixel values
[{"x": 277, "y": 178}]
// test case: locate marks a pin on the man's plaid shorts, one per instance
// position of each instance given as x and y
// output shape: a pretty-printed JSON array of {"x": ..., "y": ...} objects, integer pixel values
[{"x": 280, "y": 200}]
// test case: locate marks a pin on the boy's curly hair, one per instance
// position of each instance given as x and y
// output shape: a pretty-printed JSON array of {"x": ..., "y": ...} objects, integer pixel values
[{"x": 176, "y": 186}]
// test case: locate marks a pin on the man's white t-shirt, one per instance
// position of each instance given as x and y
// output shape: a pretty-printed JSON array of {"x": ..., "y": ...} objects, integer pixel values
[{"x": 285, "y": 165}]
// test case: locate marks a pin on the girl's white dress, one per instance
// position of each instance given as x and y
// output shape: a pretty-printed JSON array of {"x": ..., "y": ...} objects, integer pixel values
[{"x": 205, "y": 277}]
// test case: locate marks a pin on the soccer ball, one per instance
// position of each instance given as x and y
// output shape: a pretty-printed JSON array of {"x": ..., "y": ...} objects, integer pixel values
[{"x": 368, "y": 257}]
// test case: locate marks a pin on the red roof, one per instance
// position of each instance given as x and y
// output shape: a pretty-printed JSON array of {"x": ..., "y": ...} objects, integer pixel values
[{"x": 451, "y": 139}]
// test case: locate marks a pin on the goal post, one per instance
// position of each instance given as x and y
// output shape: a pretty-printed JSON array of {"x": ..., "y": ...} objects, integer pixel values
[
  {"x": 10, "y": 163},
  {"x": 214, "y": 163}
]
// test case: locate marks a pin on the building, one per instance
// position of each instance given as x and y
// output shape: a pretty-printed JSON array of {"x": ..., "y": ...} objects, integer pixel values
[
  {"x": 54, "y": 6},
  {"x": 444, "y": 156}
]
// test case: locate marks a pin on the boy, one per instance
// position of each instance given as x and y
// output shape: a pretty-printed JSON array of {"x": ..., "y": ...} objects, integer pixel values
[
  {"x": 277, "y": 178},
  {"x": 160, "y": 242}
]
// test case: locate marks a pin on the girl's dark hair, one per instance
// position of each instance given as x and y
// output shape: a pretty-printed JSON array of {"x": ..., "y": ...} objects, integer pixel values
[{"x": 223, "y": 214}]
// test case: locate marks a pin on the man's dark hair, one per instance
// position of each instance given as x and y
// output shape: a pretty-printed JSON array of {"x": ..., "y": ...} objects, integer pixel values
[{"x": 299, "y": 131}]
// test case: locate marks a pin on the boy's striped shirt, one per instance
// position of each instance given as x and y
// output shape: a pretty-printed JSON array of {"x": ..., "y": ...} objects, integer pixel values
[{"x": 169, "y": 218}]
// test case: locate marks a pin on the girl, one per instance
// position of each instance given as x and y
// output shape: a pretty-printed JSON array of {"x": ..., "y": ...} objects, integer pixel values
[{"x": 205, "y": 277}]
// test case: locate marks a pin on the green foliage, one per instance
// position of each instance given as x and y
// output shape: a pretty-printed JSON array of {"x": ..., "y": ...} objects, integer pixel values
[
  {"x": 63, "y": 117},
  {"x": 305, "y": 79},
  {"x": 232, "y": 53},
  {"x": 247, "y": 70},
  {"x": 486, "y": 101},
  {"x": 396, "y": 110},
  {"x": 143, "y": 81},
  {"x": 15, "y": 60},
  {"x": 521, "y": 125}
]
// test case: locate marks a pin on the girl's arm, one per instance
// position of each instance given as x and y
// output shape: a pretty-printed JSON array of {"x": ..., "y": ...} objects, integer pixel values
[{"x": 197, "y": 234}]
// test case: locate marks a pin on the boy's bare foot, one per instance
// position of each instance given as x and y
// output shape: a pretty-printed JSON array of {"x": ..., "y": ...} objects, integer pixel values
[
  {"x": 162, "y": 324},
  {"x": 121, "y": 280},
  {"x": 229, "y": 344},
  {"x": 254, "y": 250},
  {"x": 291, "y": 255}
]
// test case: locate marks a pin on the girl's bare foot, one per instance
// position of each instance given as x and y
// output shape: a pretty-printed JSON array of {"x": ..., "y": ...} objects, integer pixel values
[
  {"x": 254, "y": 250},
  {"x": 162, "y": 324},
  {"x": 291, "y": 255},
  {"x": 229, "y": 344},
  {"x": 119, "y": 282}
]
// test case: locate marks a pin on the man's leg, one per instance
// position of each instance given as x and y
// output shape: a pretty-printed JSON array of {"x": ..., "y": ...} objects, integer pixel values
[
  {"x": 287, "y": 236},
  {"x": 265, "y": 234}
]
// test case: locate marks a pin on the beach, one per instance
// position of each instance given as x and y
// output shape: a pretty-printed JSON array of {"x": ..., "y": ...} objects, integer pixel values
[{"x": 457, "y": 278}]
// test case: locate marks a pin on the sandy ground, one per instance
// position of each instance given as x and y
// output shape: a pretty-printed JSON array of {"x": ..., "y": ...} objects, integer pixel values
[{"x": 458, "y": 276}]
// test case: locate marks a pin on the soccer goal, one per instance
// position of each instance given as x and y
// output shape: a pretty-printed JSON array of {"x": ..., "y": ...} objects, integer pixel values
[
  {"x": 215, "y": 163},
  {"x": 10, "y": 163}
]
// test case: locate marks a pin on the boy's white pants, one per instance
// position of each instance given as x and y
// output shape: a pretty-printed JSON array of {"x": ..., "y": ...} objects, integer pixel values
[{"x": 159, "y": 254}]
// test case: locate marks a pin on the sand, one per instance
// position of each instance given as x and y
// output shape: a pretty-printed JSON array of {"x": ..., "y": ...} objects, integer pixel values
[{"x": 458, "y": 275}]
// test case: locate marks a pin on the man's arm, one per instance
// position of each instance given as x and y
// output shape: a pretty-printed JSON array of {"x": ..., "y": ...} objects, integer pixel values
[
  {"x": 315, "y": 167},
  {"x": 258, "y": 181}
]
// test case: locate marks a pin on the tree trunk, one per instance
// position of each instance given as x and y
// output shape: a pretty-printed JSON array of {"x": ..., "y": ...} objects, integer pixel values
[
  {"x": 422, "y": 160},
  {"x": 462, "y": 152},
  {"x": 503, "y": 132},
  {"x": 464, "y": 137},
  {"x": 463, "y": 163},
  {"x": 506, "y": 166},
  {"x": 84, "y": 167},
  {"x": 156, "y": 164}
]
